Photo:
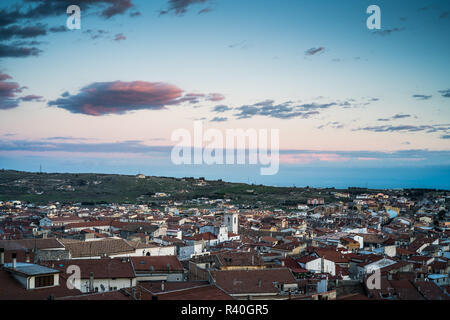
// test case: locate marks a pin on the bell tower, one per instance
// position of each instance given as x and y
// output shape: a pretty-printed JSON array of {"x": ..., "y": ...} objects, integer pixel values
[{"x": 231, "y": 221}]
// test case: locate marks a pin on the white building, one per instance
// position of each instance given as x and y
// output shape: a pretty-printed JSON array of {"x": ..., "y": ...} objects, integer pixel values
[
  {"x": 318, "y": 265},
  {"x": 223, "y": 234},
  {"x": 369, "y": 268},
  {"x": 186, "y": 252}
]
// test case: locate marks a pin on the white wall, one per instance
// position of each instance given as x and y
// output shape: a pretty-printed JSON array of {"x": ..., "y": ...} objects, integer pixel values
[
  {"x": 223, "y": 234},
  {"x": 170, "y": 277},
  {"x": 368, "y": 269},
  {"x": 120, "y": 283},
  {"x": 390, "y": 251},
  {"x": 360, "y": 240},
  {"x": 186, "y": 252},
  {"x": 315, "y": 265}
]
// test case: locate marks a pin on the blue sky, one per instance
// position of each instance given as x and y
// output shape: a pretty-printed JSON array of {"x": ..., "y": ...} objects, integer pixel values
[{"x": 309, "y": 68}]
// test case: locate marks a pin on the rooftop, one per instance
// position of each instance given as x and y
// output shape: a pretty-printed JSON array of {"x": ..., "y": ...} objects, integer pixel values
[{"x": 30, "y": 269}]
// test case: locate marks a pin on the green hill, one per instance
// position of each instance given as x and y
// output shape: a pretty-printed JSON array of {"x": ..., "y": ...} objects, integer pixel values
[{"x": 91, "y": 188}]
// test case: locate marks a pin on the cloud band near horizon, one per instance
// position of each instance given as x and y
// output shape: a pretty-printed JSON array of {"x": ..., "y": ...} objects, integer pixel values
[{"x": 66, "y": 145}]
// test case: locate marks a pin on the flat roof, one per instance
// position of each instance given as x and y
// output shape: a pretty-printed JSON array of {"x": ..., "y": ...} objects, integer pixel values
[
  {"x": 437, "y": 276},
  {"x": 30, "y": 269}
]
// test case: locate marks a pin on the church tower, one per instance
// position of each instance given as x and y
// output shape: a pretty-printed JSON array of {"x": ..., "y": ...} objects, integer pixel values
[{"x": 231, "y": 221}]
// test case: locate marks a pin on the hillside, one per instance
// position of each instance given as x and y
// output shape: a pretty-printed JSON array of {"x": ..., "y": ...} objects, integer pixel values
[{"x": 112, "y": 188}]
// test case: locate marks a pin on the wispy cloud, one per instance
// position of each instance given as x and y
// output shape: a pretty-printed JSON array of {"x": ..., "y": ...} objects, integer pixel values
[
  {"x": 421, "y": 97},
  {"x": 66, "y": 139},
  {"x": 205, "y": 10},
  {"x": 387, "y": 32},
  {"x": 290, "y": 109},
  {"x": 333, "y": 125},
  {"x": 401, "y": 116},
  {"x": 180, "y": 7},
  {"x": 221, "y": 108},
  {"x": 242, "y": 45},
  {"x": 395, "y": 117},
  {"x": 215, "y": 97},
  {"x": 314, "y": 51},
  {"x": 407, "y": 128},
  {"x": 32, "y": 97},
  {"x": 307, "y": 158},
  {"x": 96, "y": 34},
  {"x": 219, "y": 119},
  {"x": 445, "y": 93},
  {"x": 119, "y": 37}
]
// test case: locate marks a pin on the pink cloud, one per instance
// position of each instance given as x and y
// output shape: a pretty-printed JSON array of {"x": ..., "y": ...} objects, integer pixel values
[
  {"x": 120, "y": 37},
  {"x": 118, "y": 97},
  {"x": 32, "y": 97},
  {"x": 311, "y": 157},
  {"x": 215, "y": 97},
  {"x": 10, "y": 93}
]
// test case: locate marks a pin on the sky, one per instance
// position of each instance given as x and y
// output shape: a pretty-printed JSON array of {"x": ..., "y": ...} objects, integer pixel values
[{"x": 354, "y": 106}]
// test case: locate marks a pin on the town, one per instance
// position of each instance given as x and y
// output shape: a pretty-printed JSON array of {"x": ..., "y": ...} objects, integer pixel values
[{"x": 325, "y": 247}]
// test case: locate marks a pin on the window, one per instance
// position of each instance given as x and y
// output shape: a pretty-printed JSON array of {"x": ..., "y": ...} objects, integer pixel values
[{"x": 43, "y": 281}]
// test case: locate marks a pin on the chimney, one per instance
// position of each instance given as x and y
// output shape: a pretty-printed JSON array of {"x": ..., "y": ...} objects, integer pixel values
[
  {"x": 27, "y": 256},
  {"x": 91, "y": 282},
  {"x": 162, "y": 285},
  {"x": 259, "y": 283},
  {"x": 2, "y": 256},
  {"x": 14, "y": 258}
]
